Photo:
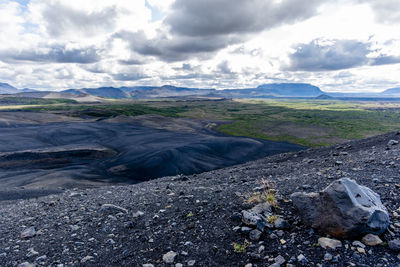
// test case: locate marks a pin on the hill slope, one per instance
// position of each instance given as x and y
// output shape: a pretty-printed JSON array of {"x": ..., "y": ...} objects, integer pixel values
[
  {"x": 392, "y": 91},
  {"x": 5, "y": 88},
  {"x": 194, "y": 216}
]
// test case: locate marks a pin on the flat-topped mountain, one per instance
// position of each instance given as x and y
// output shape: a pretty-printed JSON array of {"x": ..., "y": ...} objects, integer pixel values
[{"x": 262, "y": 91}]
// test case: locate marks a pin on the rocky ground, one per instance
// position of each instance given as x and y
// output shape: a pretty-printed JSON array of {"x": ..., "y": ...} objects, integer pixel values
[{"x": 195, "y": 220}]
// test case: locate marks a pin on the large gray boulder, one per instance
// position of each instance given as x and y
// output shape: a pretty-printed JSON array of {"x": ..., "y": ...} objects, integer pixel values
[{"x": 344, "y": 210}]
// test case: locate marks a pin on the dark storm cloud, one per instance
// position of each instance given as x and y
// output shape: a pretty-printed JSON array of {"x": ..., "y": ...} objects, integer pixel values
[
  {"x": 336, "y": 55},
  {"x": 176, "y": 48},
  {"x": 220, "y": 17},
  {"x": 53, "y": 54},
  {"x": 60, "y": 19},
  {"x": 201, "y": 28}
]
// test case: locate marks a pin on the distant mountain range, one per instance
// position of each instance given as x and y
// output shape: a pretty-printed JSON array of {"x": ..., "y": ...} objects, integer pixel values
[
  {"x": 144, "y": 92},
  {"x": 273, "y": 90}
]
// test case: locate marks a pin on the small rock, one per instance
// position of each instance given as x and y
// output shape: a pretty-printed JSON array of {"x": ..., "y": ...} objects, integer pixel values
[
  {"x": 328, "y": 257},
  {"x": 361, "y": 250},
  {"x": 255, "y": 235},
  {"x": 245, "y": 230},
  {"x": 371, "y": 240},
  {"x": 358, "y": 244},
  {"x": 191, "y": 263},
  {"x": 262, "y": 208},
  {"x": 280, "y": 260},
  {"x": 32, "y": 252},
  {"x": 26, "y": 264},
  {"x": 86, "y": 259},
  {"x": 248, "y": 265},
  {"x": 250, "y": 219},
  {"x": 169, "y": 257},
  {"x": 281, "y": 224},
  {"x": 179, "y": 265},
  {"x": 261, "y": 249},
  {"x": 392, "y": 142},
  {"x": 74, "y": 227},
  {"x": 41, "y": 259},
  {"x": 28, "y": 233},
  {"x": 111, "y": 208},
  {"x": 325, "y": 243},
  {"x": 138, "y": 214},
  {"x": 394, "y": 245},
  {"x": 147, "y": 265},
  {"x": 302, "y": 259}
]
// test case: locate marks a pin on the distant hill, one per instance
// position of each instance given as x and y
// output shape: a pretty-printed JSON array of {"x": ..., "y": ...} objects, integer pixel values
[
  {"x": 5, "y": 88},
  {"x": 107, "y": 92},
  {"x": 263, "y": 91},
  {"x": 392, "y": 91},
  {"x": 324, "y": 96},
  {"x": 291, "y": 89},
  {"x": 169, "y": 91}
]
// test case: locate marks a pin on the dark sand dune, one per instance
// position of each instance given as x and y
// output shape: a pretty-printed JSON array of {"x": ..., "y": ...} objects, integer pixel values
[{"x": 122, "y": 150}]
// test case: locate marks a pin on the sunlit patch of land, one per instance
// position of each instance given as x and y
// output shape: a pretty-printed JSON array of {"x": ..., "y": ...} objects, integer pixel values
[{"x": 306, "y": 122}]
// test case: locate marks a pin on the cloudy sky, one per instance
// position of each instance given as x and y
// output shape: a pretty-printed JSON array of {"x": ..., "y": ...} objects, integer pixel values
[{"x": 338, "y": 45}]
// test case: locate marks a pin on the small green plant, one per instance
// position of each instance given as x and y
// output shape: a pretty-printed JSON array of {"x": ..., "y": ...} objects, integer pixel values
[
  {"x": 272, "y": 218},
  {"x": 189, "y": 215},
  {"x": 241, "y": 248},
  {"x": 267, "y": 195}
]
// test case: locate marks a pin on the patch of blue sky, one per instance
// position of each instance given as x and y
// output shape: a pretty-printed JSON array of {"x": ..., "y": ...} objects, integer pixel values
[{"x": 156, "y": 14}]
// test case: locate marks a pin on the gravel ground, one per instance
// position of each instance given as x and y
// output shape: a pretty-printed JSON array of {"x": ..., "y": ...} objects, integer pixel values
[{"x": 194, "y": 216}]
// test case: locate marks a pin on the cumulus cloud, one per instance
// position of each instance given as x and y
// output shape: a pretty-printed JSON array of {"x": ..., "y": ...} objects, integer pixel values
[
  {"x": 327, "y": 55},
  {"x": 176, "y": 48},
  {"x": 386, "y": 11},
  {"x": 60, "y": 19},
  {"x": 52, "y": 54},
  {"x": 200, "y": 28},
  {"x": 216, "y": 17},
  {"x": 131, "y": 76}
]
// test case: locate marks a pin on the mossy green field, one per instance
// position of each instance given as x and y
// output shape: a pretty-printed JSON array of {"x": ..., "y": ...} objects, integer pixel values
[{"x": 306, "y": 122}]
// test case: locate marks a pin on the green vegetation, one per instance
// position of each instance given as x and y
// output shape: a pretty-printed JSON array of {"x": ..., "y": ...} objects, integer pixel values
[
  {"x": 241, "y": 248},
  {"x": 306, "y": 122},
  {"x": 33, "y": 101},
  {"x": 110, "y": 110}
]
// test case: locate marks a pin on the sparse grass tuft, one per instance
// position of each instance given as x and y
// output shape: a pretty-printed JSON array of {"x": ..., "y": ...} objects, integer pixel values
[
  {"x": 272, "y": 219},
  {"x": 266, "y": 195},
  {"x": 241, "y": 248}
]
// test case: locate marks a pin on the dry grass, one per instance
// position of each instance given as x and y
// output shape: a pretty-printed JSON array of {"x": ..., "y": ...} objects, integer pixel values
[{"x": 266, "y": 195}]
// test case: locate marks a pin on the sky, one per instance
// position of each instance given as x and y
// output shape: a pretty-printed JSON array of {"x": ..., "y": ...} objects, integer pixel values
[{"x": 338, "y": 45}]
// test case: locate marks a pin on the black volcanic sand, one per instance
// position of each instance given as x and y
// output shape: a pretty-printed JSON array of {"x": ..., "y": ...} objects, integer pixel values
[
  {"x": 195, "y": 215},
  {"x": 79, "y": 153}
]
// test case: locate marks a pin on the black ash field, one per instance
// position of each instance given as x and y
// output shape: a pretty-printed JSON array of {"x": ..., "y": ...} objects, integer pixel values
[
  {"x": 194, "y": 216},
  {"x": 66, "y": 197},
  {"x": 47, "y": 151}
]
